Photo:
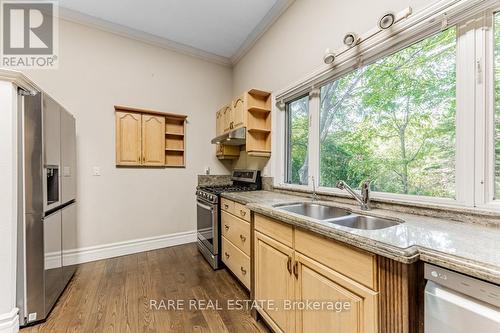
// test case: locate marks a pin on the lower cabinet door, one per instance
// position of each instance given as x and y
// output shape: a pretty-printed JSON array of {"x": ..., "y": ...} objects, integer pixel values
[
  {"x": 331, "y": 302},
  {"x": 274, "y": 282}
]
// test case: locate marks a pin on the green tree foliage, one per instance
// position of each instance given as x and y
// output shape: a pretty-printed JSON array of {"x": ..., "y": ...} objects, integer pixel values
[{"x": 392, "y": 121}]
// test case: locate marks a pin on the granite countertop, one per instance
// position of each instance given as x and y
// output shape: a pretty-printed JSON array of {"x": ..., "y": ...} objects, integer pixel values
[{"x": 468, "y": 248}]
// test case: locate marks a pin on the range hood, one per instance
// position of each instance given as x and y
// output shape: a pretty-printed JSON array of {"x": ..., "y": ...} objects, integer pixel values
[{"x": 235, "y": 137}]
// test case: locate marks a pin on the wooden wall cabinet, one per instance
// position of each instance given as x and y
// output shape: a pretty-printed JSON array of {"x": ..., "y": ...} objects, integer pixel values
[
  {"x": 219, "y": 123},
  {"x": 153, "y": 142},
  {"x": 149, "y": 138},
  {"x": 128, "y": 138},
  {"x": 252, "y": 110},
  {"x": 225, "y": 152}
]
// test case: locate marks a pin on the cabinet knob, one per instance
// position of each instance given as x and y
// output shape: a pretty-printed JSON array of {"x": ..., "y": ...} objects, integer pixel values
[
  {"x": 243, "y": 238},
  {"x": 226, "y": 226},
  {"x": 243, "y": 271},
  {"x": 226, "y": 206},
  {"x": 227, "y": 255},
  {"x": 242, "y": 212}
]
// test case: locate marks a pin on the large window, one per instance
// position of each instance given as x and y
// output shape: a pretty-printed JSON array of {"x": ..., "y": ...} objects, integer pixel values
[
  {"x": 416, "y": 112},
  {"x": 393, "y": 122},
  {"x": 297, "y": 136}
]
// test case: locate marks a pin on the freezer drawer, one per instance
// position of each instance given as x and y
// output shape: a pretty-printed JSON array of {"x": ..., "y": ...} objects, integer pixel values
[
  {"x": 53, "y": 272},
  {"x": 69, "y": 241}
]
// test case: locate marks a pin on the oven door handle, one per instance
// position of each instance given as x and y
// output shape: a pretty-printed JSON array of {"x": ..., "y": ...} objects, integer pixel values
[{"x": 204, "y": 206}]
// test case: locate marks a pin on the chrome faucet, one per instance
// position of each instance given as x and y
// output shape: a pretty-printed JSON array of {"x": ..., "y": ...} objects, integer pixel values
[
  {"x": 314, "y": 196},
  {"x": 363, "y": 199}
]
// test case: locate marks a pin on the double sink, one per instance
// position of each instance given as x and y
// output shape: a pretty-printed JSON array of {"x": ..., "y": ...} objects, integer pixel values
[{"x": 337, "y": 216}]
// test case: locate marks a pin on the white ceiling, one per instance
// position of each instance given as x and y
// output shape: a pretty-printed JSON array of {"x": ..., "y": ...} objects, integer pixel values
[{"x": 224, "y": 28}]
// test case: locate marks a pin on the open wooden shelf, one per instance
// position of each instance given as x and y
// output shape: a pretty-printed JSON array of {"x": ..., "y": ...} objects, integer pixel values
[
  {"x": 174, "y": 158},
  {"x": 259, "y": 130},
  {"x": 174, "y": 134},
  {"x": 258, "y": 109},
  {"x": 175, "y": 128}
]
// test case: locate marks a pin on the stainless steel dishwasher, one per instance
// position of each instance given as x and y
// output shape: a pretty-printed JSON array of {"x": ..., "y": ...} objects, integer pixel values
[{"x": 456, "y": 303}]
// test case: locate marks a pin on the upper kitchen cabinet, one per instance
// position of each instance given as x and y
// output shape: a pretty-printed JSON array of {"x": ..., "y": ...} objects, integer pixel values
[
  {"x": 227, "y": 122},
  {"x": 149, "y": 138},
  {"x": 219, "y": 123},
  {"x": 251, "y": 110},
  {"x": 153, "y": 140},
  {"x": 128, "y": 138},
  {"x": 238, "y": 118}
]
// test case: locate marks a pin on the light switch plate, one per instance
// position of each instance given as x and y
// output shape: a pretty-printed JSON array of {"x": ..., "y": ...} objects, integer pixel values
[{"x": 96, "y": 171}]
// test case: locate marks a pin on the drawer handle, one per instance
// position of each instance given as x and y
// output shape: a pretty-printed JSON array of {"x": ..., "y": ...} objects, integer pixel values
[
  {"x": 227, "y": 255},
  {"x": 226, "y": 226},
  {"x": 244, "y": 271},
  {"x": 243, "y": 238},
  {"x": 289, "y": 265},
  {"x": 243, "y": 213}
]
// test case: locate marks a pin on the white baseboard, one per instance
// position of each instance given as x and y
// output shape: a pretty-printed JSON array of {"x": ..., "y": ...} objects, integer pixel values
[
  {"x": 99, "y": 252},
  {"x": 9, "y": 322}
]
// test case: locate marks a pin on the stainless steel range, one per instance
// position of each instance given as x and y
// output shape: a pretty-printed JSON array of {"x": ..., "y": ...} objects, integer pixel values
[{"x": 209, "y": 211}]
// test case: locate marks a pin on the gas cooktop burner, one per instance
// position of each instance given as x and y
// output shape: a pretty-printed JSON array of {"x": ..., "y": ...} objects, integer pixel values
[{"x": 227, "y": 188}]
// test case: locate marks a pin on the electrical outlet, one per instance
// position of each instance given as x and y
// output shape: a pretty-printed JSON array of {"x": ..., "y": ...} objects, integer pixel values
[{"x": 96, "y": 171}]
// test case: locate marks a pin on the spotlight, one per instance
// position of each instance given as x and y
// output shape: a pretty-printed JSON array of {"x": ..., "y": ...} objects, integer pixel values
[
  {"x": 329, "y": 57},
  {"x": 350, "y": 39},
  {"x": 386, "y": 21}
]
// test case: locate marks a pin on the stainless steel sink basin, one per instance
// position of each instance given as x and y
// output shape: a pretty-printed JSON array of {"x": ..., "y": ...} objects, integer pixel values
[
  {"x": 364, "y": 222},
  {"x": 315, "y": 211}
]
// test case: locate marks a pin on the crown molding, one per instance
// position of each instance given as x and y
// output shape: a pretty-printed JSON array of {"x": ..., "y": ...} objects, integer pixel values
[
  {"x": 271, "y": 17},
  {"x": 19, "y": 79},
  {"x": 121, "y": 30}
]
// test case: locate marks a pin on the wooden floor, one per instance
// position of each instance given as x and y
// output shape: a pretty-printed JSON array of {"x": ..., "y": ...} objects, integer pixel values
[{"x": 114, "y": 295}]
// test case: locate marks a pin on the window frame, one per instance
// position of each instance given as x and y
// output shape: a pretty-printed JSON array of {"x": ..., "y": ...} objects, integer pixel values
[
  {"x": 475, "y": 91},
  {"x": 485, "y": 114},
  {"x": 287, "y": 132}
]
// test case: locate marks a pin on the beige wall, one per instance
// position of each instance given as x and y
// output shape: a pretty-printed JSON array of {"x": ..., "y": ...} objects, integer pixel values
[
  {"x": 294, "y": 46},
  {"x": 98, "y": 70}
]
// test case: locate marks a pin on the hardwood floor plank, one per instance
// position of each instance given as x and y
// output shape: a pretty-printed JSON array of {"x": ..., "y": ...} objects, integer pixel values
[{"x": 114, "y": 295}]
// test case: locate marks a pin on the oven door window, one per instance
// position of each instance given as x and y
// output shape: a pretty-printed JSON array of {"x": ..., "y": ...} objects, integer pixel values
[{"x": 206, "y": 221}]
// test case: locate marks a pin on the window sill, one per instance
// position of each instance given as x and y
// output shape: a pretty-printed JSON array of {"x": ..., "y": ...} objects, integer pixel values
[{"x": 439, "y": 207}]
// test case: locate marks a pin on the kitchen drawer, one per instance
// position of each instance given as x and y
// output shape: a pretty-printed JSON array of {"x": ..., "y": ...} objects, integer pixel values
[
  {"x": 242, "y": 211},
  {"x": 237, "y": 231},
  {"x": 236, "y": 261},
  {"x": 357, "y": 265},
  {"x": 281, "y": 232},
  {"x": 227, "y": 205}
]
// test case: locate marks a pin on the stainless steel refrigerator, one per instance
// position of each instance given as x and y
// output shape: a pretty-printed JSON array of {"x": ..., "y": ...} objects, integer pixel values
[{"x": 47, "y": 204}]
